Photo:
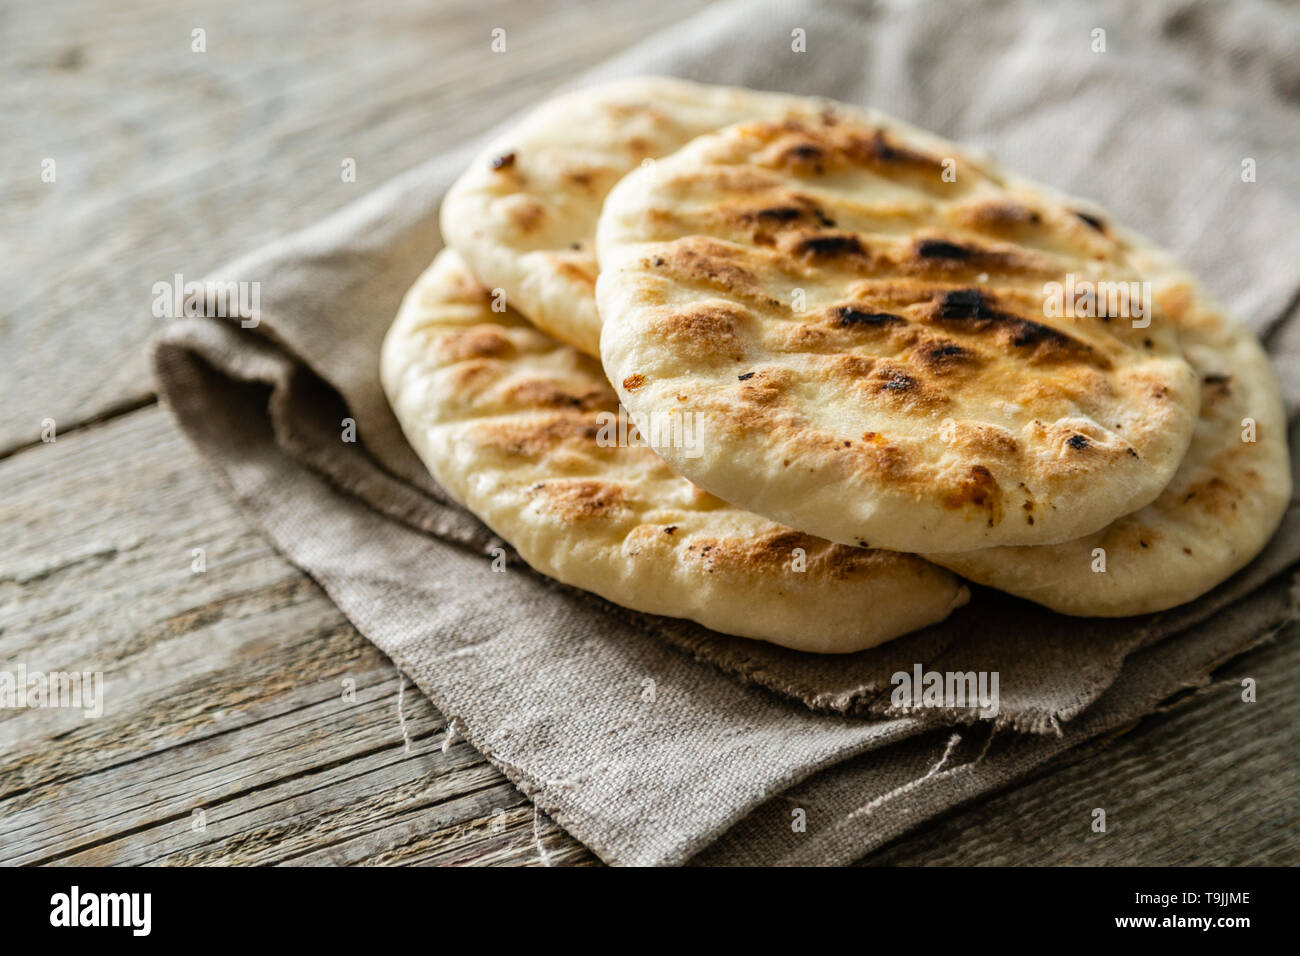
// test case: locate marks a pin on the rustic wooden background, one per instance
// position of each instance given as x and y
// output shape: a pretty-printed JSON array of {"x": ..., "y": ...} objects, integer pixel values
[{"x": 224, "y": 689}]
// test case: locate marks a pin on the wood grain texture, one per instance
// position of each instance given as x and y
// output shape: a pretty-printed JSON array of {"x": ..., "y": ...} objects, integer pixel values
[
  {"x": 1211, "y": 782},
  {"x": 224, "y": 690},
  {"x": 225, "y": 693},
  {"x": 168, "y": 160}
]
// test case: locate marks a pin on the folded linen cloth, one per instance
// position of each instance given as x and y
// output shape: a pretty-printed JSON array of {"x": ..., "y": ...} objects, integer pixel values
[{"x": 651, "y": 755}]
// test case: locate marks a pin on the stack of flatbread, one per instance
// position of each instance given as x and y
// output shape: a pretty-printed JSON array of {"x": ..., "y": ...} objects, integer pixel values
[{"x": 789, "y": 368}]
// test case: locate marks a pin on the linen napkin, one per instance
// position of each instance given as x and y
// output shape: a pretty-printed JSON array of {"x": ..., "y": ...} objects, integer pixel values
[{"x": 654, "y": 740}]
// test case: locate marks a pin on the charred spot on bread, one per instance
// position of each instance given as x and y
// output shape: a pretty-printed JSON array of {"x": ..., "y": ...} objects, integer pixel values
[
  {"x": 835, "y": 245},
  {"x": 943, "y": 249},
  {"x": 1091, "y": 220},
  {"x": 879, "y": 149},
  {"x": 935, "y": 255},
  {"x": 972, "y": 311},
  {"x": 847, "y": 316},
  {"x": 942, "y": 356},
  {"x": 980, "y": 489},
  {"x": 540, "y": 393},
  {"x": 966, "y": 304},
  {"x": 998, "y": 215}
]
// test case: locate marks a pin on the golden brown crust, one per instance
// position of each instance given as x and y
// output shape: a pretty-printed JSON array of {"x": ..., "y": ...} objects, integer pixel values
[
  {"x": 524, "y": 213},
  {"x": 520, "y": 429},
  {"x": 1223, "y": 504},
  {"x": 866, "y": 291}
]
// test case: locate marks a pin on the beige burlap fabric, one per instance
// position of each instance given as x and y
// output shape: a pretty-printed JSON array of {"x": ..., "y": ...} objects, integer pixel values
[{"x": 551, "y": 684}]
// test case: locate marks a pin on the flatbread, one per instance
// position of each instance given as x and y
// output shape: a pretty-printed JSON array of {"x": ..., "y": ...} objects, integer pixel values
[
  {"x": 523, "y": 216},
  {"x": 867, "y": 344},
  {"x": 1221, "y": 508},
  {"x": 508, "y": 421}
]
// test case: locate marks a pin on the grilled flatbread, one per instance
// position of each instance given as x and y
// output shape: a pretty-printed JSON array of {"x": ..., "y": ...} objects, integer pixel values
[
  {"x": 523, "y": 216},
  {"x": 1219, "y": 511},
  {"x": 510, "y": 423},
  {"x": 858, "y": 314}
]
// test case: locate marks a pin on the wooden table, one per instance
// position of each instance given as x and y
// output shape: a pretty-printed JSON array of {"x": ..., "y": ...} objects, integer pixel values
[{"x": 226, "y": 736}]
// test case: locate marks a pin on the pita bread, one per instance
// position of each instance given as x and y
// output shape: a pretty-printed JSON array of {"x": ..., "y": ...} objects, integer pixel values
[
  {"x": 509, "y": 422},
  {"x": 868, "y": 345},
  {"x": 523, "y": 216},
  {"x": 1223, "y": 505}
]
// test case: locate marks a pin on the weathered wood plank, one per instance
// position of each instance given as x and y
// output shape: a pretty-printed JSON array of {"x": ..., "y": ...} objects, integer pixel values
[
  {"x": 1214, "y": 781},
  {"x": 224, "y": 692},
  {"x": 223, "y": 689},
  {"x": 168, "y": 160}
]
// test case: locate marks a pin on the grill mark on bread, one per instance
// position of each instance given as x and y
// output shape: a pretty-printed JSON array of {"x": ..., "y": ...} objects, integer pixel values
[
  {"x": 815, "y": 146},
  {"x": 851, "y": 317},
  {"x": 782, "y": 210},
  {"x": 526, "y": 214},
  {"x": 777, "y": 215},
  {"x": 575, "y": 273},
  {"x": 541, "y": 393},
  {"x": 478, "y": 342},
  {"x": 707, "y": 261},
  {"x": 937, "y": 256},
  {"x": 578, "y": 499},
  {"x": 803, "y": 157},
  {"x": 472, "y": 375},
  {"x": 943, "y": 249},
  {"x": 833, "y": 246},
  {"x": 729, "y": 179},
  {"x": 639, "y": 146},
  {"x": 972, "y": 311},
  {"x": 704, "y": 328},
  {"x": 899, "y": 382},
  {"x": 998, "y": 216},
  {"x": 894, "y": 384},
  {"x": 1222, "y": 492},
  {"x": 853, "y": 367},
  {"x": 539, "y": 437},
  {"x": 984, "y": 440},
  {"x": 1215, "y": 389},
  {"x": 764, "y": 388},
  {"x": 880, "y": 150},
  {"x": 771, "y": 553},
  {"x": 943, "y": 356},
  {"x": 583, "y": 177},
  {"x": 1092, "y": 221},
  {"x": 639, "y": 110}
]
